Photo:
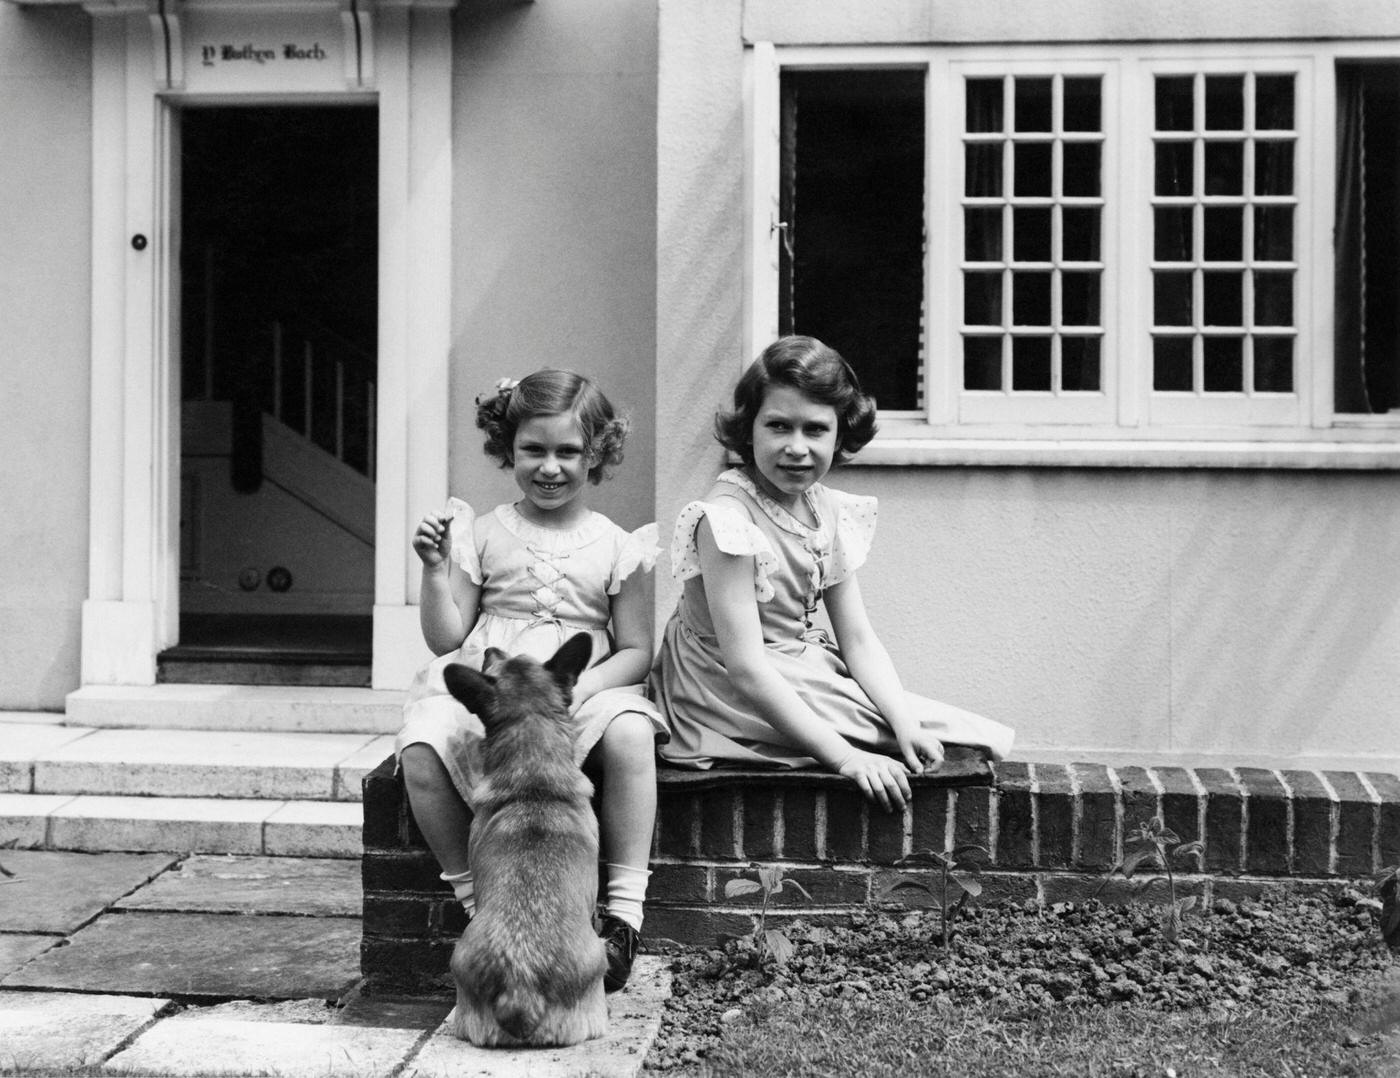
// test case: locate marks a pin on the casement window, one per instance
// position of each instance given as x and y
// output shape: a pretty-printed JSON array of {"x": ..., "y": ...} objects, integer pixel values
[{"x": 1102, "y": 244}]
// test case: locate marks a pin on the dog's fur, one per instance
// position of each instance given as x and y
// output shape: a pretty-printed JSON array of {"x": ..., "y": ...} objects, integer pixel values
[{"x": 529, "y": 967}]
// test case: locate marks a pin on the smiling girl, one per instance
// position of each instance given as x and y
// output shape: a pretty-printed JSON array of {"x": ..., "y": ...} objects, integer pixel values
[{"x": 744, "y": 675}]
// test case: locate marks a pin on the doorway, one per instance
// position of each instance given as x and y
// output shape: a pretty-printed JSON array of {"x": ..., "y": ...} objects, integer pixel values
[{"x": 278, "y": 300}]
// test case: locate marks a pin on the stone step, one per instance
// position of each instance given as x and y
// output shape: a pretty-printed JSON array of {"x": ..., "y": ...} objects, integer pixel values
[{"x": 302, "y": 708}]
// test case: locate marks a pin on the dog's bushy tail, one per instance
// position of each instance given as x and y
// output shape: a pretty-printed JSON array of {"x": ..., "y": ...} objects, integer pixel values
[{"x": 519, "y": 1012}]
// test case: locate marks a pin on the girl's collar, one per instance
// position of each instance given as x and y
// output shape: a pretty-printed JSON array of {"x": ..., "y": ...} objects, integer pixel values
[
  {"x": 591, "y": 526},
  {"x": 778, "y": 514}
]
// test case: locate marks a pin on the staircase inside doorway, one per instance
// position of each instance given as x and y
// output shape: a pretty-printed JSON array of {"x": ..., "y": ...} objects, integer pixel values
[{"x": 282, "y": 649}]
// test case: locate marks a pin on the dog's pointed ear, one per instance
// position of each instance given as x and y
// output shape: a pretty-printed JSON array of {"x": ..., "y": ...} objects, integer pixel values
[
  {"x": 493, "y": 658},
  {"x": 570, "y": 660},
  {"x": 473, "y": 689}
]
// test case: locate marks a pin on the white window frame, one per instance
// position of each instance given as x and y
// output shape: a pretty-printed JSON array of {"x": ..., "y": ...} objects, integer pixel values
[{"x": 1127, "y": 424}]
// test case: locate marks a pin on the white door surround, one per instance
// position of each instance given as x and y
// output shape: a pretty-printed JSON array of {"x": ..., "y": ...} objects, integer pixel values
[{"x": 149, "y": 60}]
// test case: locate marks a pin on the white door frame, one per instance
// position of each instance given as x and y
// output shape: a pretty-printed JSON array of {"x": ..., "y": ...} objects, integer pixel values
[{"x": 132, "y": 609}]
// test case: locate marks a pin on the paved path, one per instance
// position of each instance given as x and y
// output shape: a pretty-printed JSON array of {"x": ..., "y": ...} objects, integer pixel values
[{"x": 163, "y": 964}]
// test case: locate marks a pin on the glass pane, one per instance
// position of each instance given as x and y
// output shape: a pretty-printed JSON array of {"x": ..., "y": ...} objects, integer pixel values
[
  {"x": 1079, "y": 364},
  {"x": 1273, "y": 233},
  {"x": 1033, "y": 105},
  {"x": 1273, "y": 364},
  {"x": 982, "y": 299},
  {"x": 1032, "y": 168},
  {"x": 1223, "y": 298},
  {"x": 982, "y": 234},
  {"x": 981, "y": 362},
  {"x": 1224, "y": 102},
  {"x": 1171, "y": 298},
  {"x": 1171, "y": 364},
  {"x": 1079, "y": 299},
  {"x": 1031, "y": 228},
  {"x": 1174, "y": 168},
  {"x": 1171, "y": 233},
  {"x": 1222, "y": 364},
  {"x": 1079, "y": 238},
  {"x": 1223, "y": 233},
  {"x": 1081, "y": 169},
  {"x": 1224, "y": 168},
  {"x": 1082, "y": 109},
  {"x": 1273, "y": 299},
  {"x": 1030, "y": 299},
  {"x": 984, "y": 169},
  {"x": 1030, "y": 363},
  {"x": 984, "y": 106},
  {"x": 1273, "y": 168},
  {"x": 1273, "y": 102},
  {"x": 1174, "y": 101}
]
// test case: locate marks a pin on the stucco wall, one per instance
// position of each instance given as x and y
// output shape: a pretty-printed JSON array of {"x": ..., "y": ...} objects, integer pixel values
[
  {"x": 45, "y": 105},
  {"x": 554, "y": 221},
  {"x": 1240, "y": 616}
]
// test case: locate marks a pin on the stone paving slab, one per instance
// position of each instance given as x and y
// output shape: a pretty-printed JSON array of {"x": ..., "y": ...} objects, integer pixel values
[
  {"x": 58, "y": 892},
  {"x": 634, "y": 1016},
  {"x": 310, "y": 886},
  {"x": 24, "y": 818},
  {"x": 202, "y": 825},
  {"x": 16, "y": 949},
  {"x": 50, "y": 1032},
  {"x": 203, "y": 954}
]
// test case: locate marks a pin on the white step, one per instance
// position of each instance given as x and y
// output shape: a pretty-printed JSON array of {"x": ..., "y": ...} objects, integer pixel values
[{"x": 304, "y": 708}]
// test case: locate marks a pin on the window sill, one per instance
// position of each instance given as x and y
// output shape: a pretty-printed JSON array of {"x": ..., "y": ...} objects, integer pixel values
[{"x": 1087, "y": 453}]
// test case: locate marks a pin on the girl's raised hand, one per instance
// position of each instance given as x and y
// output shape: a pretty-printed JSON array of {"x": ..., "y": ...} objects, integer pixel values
[
  {"x": 432, "y": 542},
  {"x": 880, "y": 778},
  {"x": 921, "y": 751}
]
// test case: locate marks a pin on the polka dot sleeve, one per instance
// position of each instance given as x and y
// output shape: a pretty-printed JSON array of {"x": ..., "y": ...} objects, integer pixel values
[
  {"x": 855, "y": 531},
  {"x": 639, "y": 550},
  {"x": 734, "y": 534},
  {"x": 464, "y": 538}
]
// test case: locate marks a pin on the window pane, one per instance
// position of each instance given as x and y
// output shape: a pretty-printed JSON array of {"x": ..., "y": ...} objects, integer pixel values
[
  {"x": 1080, "y": 234},
  {"x": 1171, "y": 298},
  {"x": 1273, "y": 168},
  {"x": 1273, "y": 364},
  {"x": 982, "y": 234},
  {"x": 1030, "y": 363},
  {"x": 1171, "y": 364},
  {"x": 1224, "y": 298},
  {"x": 1079, "y": 364},
  {"x": 1223, "y": 233},
  {"x": 1033, "y": 105},
  {"x": 982, "y": 299},
  {"x": 1273, "y": 102},
  {"x": 1174, "y": 175},
  {"x": 1032, "y": 162},
  {"x": 1082, "y": 109},
  {"x": 981, "y": 362},
  {"x": 1081, "y": 175},
  {"x": 1273, "y": 299},
  {"x": 1273, "y": 233},
  {"x": 1224, "y": 102},
  {"x": 984, "y": 106},
  {"x": 1030, "y": 299},
  {"x": 1224, "y": 168},
  {"x": 1079, "y": 299},
  {"x": 984, "y": 169},
  {"x": 1031, "y": 228},
  {"x": 1171, "y": 233},
  {"x": 1174, "y": 103},
  {"x": 1222, "y": 366}
]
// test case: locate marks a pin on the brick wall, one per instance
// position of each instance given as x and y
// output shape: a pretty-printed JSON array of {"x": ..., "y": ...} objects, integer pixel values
[{"x": 1053, "y": 832}]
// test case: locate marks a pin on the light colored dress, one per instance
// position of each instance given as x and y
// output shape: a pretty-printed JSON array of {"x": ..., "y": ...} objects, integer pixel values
[
  {"x": 711, "y": 724},
  {"x": 539, "y": 586}
]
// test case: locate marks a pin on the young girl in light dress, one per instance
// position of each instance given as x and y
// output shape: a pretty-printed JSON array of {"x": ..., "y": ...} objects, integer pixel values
[
  {"x": 523, "y": 578},
  {"x": 744, "y": 675}
]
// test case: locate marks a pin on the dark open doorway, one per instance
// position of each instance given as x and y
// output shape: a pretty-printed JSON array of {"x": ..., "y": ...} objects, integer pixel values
[{"x": 279, "y": 320}]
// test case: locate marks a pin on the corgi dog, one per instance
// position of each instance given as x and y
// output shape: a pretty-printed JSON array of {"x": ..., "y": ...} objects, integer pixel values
[{"x": 529, "y": 967}]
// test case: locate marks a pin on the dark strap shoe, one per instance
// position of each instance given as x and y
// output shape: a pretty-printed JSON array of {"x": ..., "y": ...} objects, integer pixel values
[{"x": 620, "y": 941}]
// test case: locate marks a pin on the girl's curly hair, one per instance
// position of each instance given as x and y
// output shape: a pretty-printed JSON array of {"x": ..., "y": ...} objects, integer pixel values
[
  {"x": 553, "y": 392},
  {"x": 816, "y": 371}
]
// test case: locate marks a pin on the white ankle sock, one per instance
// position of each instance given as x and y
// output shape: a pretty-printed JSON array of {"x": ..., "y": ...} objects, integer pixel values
[
  {"x": 627, "y": 890},
  {"x": 463, "y": 888}
]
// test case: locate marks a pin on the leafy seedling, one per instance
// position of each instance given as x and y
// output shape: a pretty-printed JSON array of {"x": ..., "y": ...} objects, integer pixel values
[
  {"x": 956, "y": 871},
  {"x": 771, "y": 881},
  {"x": 1154, "y": 845},
  {"x": 1388, "y": 886}
]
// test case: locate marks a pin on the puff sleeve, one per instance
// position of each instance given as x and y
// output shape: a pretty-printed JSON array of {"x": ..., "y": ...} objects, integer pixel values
[
  {"x": 638, "y": 550},
  {"x": 464, "y": 551},
  {"x": 734, "y": 533},
  {"x": 855, "y": 532}
]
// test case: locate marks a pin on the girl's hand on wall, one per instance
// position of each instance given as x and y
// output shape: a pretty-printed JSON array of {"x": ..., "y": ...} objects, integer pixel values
[
  {"x": 880, "y": 778},
  {"x": 432, "y": 542},
  {"x": 921, "y": 751}
]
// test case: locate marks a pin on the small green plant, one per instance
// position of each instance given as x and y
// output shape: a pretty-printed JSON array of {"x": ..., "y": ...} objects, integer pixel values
[
  {"x": 771, "y": 881},
  {"x": 1154, "y": 845},
  {"x": 956, "y": 868},
  {"x": 1388, "y": 887}
]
